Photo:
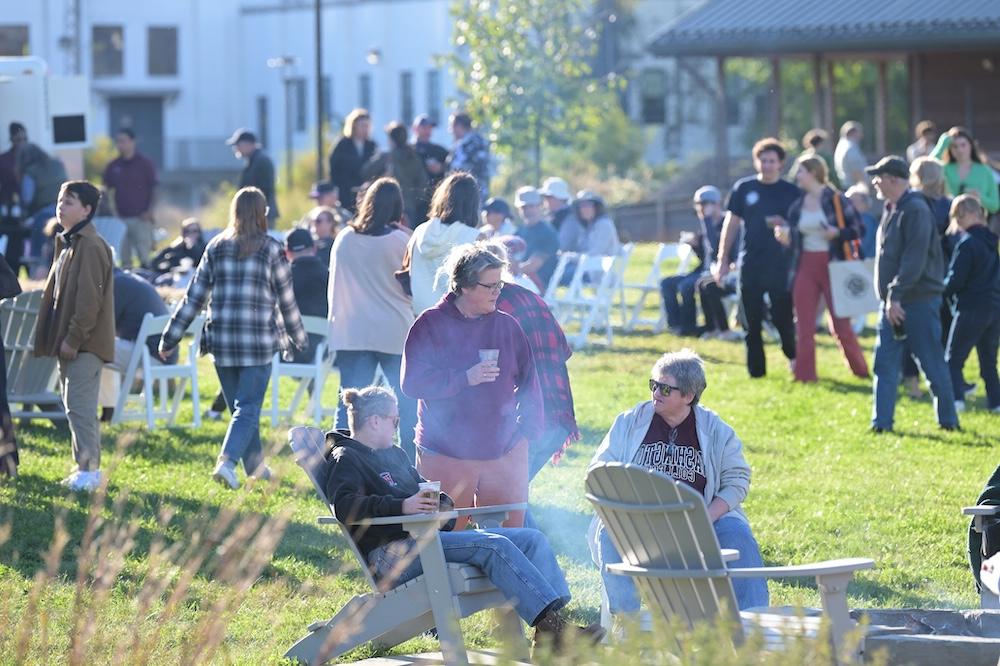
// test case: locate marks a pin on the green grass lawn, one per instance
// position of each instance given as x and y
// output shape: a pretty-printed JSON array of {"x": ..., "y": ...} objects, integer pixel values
[{"x": 823, "y": 487}]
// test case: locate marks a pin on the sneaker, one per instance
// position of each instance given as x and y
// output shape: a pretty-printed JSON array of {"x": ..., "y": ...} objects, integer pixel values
[
  {"x": 225, "y": 473},
  {"x": 954, "y": 428},
  {"x": 731, "y": 336},
  {"x": 996, "y": 410},
  {"x": 212, "y": 415},
  {"x": 80, "y": 481},
  {"x": 968, "y": 390},
  {"x": 959, "y": 405},
  {"x": 878, "y": 430},
  {"x": 554, "y": 630}
]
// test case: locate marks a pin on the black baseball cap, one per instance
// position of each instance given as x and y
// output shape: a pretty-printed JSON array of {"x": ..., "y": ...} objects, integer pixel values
[
  {"x": 497, "y": 205},
  {"x": 894, "y": 165},
  {"x": 321, "y": 188},
  {"x": 424, "y": 119},
  {"x": 240, "y": 135},
  {"x": 299, "y": 239}
]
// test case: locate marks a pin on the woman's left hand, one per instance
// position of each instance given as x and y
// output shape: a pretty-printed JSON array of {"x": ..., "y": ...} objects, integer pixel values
[{"x": 831, "y": 233}]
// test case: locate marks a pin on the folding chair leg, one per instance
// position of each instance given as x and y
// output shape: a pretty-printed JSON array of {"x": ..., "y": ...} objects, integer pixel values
[
  {"x": 195, "y": 403},
  {"x": 175, "y": 403},
  {"x": 274, "y": 395}
]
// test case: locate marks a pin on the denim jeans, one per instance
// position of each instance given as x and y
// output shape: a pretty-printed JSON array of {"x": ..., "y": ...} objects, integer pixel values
[
  {"x": 923, "y": 335},
  {"x": 518, "y": 561},
  {"x": 681, "y": 317},
  {"x": 357, "y": 370},
  {"x": 732, "y": 532},
  {"x": 979, "y": 329},
  {"x": 244, "y": 389},
  {"x": 540, "y": 452}
]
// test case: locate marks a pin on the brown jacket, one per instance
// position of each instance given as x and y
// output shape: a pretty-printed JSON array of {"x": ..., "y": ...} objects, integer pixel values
[{"x": 85, "y": 315}]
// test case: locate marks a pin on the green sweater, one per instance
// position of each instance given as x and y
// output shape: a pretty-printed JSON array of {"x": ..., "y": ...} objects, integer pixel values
[{"x": 979, "y": 178}]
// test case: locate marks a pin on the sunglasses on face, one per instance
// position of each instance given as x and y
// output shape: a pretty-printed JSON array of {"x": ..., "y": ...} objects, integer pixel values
[{"x": 664, "y": 389}]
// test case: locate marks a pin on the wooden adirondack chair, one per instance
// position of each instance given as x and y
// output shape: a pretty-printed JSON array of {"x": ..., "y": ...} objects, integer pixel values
[
  {"x": 31, "y": 380},
  {"x": 665, "y": 537},
  {"x": 445, "y": 592}
]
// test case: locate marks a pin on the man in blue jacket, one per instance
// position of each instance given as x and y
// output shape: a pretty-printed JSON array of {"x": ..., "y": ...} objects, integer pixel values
[{"x": 909, "y": 272}]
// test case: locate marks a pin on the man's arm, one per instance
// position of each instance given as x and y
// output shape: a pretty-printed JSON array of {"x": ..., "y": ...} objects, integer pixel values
[{"x": 731, "y": 226}]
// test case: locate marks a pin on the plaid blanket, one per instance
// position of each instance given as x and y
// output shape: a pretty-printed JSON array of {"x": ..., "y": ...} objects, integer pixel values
[{"x": 551, "y": 351}]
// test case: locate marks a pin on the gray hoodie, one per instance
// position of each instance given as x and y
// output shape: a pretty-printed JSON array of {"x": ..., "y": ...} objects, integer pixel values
[{"x": 909, "y": 262}]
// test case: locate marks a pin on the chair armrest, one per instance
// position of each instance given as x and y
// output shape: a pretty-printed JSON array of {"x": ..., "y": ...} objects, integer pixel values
[
  {"x": 826, "y": 568},
  {"x": 327, "y": 520},
  {"x": 414, "y": 520},
  {"x": 981, "y": 510},
  {"x": 491, "y": 516},
  {"x": 730, "y": 554}
]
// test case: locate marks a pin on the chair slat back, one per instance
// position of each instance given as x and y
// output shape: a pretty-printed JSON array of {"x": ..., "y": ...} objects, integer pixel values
[
  {"x": 26, "y": 373},
  {"x": 316, "y": 325},
  {"x": 307, "y": 444},
  {"x": 658, "y": 523}
]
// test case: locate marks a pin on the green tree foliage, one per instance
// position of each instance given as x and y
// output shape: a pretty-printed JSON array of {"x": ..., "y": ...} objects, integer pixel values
[{"x": 524, "y": 68}]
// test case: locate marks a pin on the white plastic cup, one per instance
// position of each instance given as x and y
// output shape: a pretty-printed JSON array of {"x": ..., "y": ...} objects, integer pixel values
[
  {"x": 490, "y": 355},
  {"x": 431, "y": 490}
]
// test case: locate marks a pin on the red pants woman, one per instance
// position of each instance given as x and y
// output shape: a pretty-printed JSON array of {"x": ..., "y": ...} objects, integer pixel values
[{"x": 812, "y": 280}]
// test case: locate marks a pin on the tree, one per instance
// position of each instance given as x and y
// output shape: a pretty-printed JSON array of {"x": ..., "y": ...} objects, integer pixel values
[{"x": 524, "y": 67}]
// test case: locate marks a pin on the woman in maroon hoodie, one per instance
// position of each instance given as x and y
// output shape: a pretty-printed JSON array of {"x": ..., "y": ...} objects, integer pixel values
[{"x": 471, "y": 368}]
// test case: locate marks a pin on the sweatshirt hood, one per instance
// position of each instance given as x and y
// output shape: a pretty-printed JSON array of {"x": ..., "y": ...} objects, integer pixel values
[
  {"x": 438, "y": 238},
  {"x": 983, "y": 234},
  {"x": 336, "y": 438}
]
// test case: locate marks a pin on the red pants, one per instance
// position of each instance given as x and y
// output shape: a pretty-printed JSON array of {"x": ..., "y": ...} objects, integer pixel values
[
  {"x": 812, "y": 280},
  {"x": 480, "y": 482}
]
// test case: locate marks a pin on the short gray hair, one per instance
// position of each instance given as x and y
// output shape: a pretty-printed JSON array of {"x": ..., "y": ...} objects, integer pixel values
[
  {"x": 466, "y": 262},
  {"x": 367, "y": 402},
  {"x": 687, "y": 369}
]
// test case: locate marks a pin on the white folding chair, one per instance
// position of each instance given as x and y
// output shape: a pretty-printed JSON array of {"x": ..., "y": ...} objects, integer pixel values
[
  {"x": 312, "y": 375},
  {"x": 112, "y": 230},
  {"x": 664, "y": 251},
  {"x": 158, "y": 399},
  {"x": 591, "y": 303},
  {"x": 31, "y": 380}
]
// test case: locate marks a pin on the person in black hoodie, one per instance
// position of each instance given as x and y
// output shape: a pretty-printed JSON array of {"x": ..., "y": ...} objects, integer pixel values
[
  {"x": 310, "y": 280},
  {"x": 369, "y": 477},
  {"x": 973, "y": 286}
]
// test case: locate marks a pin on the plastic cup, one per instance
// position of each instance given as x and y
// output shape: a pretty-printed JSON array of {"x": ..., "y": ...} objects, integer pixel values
[
  {"x": 431, "y": 490},
  {"x": 489, "y": 355}
]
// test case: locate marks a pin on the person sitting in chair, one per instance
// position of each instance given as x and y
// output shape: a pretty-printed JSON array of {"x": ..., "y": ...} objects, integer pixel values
[
  {"x": 369, "y": 477},
  {"x": 674, "y": 435}
]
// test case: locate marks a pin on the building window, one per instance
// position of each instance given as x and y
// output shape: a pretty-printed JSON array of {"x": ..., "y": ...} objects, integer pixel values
[
  {"x": 14, "y": 40},
  {"x": 300, "y": 111},
  {"x": 365, "y": 91},
  {"x": 406, "y": 97},
  {"x": 653, "y": 90},
  {"x": 262, "y": 120},
  {"x": 434, "y": 95},
  {"x": 107, "y": 47},
  {"x": 161, "y": 54},
  {"x": 326, "y": 95}
]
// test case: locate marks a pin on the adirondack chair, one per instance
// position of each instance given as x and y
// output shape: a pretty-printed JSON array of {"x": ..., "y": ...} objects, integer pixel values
[
  {"x": 315, "y": 373},
  {"x": 157, "y": 400},
  {"x": 441, "y": 596},
  {"x": 663, "y": 533},
  {"x": 31, "y": 381}
]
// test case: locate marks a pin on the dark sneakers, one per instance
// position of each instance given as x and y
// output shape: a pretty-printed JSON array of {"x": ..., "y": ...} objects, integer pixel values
[{"x": 553, "y": 630}]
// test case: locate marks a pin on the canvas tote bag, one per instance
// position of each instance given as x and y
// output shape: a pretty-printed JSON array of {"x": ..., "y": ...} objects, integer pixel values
[{"x": 851, "y": 280}]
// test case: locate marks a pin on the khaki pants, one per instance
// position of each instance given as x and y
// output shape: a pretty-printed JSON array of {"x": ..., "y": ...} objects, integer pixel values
[
  {"x": 480, "y": 482},
  {"x": 79, "y": 381},
  {"x": 138, "y": 241}
]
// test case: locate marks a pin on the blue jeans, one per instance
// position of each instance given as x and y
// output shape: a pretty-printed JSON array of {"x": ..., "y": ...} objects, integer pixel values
[
  {"x": 979, "y": 329},
  {"x": 923, "y": 335},
  {"x": 357, "y": 370},
  {"x": 518, "y": 561},
  {"x": 732, "y": 532},
  {"x": 244, "y": 389},
  {"x": 683, "y": 316}
]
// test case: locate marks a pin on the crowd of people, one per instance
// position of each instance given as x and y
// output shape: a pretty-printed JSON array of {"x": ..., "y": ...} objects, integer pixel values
[{"x": 429, "y": 283}]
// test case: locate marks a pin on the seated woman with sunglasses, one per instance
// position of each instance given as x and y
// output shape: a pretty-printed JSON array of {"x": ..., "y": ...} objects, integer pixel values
[{"x": 672, "y": 434}]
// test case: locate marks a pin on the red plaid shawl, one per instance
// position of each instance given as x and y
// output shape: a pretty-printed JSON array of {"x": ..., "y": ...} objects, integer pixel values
[{"x": 551, "y": 351}]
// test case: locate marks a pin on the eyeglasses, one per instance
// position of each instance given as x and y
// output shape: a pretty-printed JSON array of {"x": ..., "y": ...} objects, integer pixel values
[
  {"x": 664, "y": 389},
  {"x": 494, "y": 288},
  {"x": 395, "y": 419}
]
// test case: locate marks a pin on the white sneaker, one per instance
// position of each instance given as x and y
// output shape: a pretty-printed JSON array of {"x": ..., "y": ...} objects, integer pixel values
[
  {"x": 225, "y": 473},
  {"x": 959, "y": 405},
  {"x": 80, "y": 481},
  {"x": 731, "y": 336}
]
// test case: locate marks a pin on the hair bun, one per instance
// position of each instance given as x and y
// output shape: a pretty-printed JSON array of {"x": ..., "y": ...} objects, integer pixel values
[{"x": 349, "y": 396}]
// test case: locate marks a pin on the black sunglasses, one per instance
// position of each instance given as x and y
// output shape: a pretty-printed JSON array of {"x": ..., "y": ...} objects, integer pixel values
[{"x": 664, "y": 389}]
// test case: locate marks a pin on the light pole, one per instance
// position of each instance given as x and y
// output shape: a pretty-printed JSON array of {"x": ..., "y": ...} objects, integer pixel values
[
  {"x": 320, "y": 111},
  {"x": 286, "y": 64}
]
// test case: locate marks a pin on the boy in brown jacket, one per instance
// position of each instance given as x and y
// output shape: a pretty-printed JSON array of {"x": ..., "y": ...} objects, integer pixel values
[{"x": 76, "y": 322}]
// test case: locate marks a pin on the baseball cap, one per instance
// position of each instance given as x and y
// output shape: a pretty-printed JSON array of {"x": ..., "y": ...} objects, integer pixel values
[
  {"x": 591, "y": 196},
  {"x": 528, "y": 196},
  {"x": 240, "y": 135},
  {"x": 894, "y": 165},
  {"x": 555, "y": 187},
  {"x": 708, "y": 194},
  {"x": 497, "y": 205},
  {"x": 424, "y": 119},
  {"x": 319, "y": 189},
  {"x": 299, "y": 239}
]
